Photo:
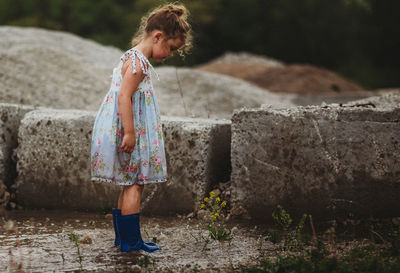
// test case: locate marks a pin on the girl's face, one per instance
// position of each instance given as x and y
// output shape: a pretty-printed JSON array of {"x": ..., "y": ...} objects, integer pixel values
[{"x": 164, "y": 48}]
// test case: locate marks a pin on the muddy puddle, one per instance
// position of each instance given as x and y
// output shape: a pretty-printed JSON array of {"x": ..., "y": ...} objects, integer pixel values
[{"x": 65, "y": 241}]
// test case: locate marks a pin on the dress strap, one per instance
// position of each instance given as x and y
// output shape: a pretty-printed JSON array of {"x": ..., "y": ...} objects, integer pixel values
[{"x": 144, "y": 63}]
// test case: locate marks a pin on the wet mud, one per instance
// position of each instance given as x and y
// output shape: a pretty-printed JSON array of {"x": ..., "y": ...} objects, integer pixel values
[{"x": 65, "y": 241}]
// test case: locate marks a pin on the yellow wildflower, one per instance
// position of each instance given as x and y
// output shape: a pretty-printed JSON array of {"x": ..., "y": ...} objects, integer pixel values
[
  {"x": 214, "y": 217},
  {"x": 212, "y": 193},
  {"x": 223, "y": 204},
  {"x": 216, "y": 214},
  {"x": 202, "y": 206},
  {"x": 205, "y": 199},
  {"x": 217, "y": 199}
]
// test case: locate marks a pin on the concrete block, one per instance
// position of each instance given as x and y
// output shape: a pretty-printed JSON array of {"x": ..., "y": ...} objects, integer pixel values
[
  {"x": 54, "y": 163},
  {"x": 10, "y": 117},
  {"x": 318, "y": 159},
  {"x": 198, "y": 157}
]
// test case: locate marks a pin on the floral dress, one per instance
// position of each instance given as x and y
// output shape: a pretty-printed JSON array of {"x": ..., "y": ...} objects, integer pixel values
[{"x": 147, "y": 163}]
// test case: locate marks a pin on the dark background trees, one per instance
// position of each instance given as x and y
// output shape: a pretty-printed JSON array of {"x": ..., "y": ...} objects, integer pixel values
[{"x": 359, "y": 39}]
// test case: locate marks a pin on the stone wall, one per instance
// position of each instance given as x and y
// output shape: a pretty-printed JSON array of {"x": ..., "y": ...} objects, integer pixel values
[
  {"x": 54, "y": 163},
  {"x": 318, "y": 159}
]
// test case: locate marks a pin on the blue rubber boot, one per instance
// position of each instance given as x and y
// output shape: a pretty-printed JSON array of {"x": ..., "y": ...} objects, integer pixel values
[
  {"x": 129, "y": 234},
  {"x": 115, "y": 214}
]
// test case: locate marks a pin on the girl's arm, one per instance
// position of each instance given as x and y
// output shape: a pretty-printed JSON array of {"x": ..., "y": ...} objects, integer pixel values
[{"x": 129, "y": 85}]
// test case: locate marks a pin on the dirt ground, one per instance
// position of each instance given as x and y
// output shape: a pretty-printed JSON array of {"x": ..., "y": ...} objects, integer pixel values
[
  {"x": 295, "y": 78},
  {"x": 41, "y": 241}
]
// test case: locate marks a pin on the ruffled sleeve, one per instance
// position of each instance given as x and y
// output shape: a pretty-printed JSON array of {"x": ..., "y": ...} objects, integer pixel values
[{"x": 144, "y": 63}]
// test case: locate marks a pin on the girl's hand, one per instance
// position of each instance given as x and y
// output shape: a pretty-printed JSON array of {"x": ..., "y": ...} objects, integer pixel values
[{"x": 128, "y": 142}]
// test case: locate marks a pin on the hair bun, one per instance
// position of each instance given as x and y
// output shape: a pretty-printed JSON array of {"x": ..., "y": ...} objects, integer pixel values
[{"x": 177, "y": 10}]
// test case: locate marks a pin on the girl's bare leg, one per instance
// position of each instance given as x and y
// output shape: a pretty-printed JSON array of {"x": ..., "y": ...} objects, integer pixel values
[
  {"x": 120, "y": 198},
  {"x": 131, "y": 196}
]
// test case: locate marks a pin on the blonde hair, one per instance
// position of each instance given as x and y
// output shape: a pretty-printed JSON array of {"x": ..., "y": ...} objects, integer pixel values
[{"x": 172, "y": 20}]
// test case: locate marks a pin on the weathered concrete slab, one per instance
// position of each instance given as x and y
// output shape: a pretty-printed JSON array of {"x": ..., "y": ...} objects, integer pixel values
[
  {"x": 54, "y": 163},
  {"x": 10, "y": 117},
  {"x": 317, "y": 158},
  {"x": 198, "y": 156}
]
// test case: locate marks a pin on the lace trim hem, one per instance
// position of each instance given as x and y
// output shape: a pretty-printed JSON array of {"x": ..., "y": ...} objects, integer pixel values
[{"x": 97, "y": 179}]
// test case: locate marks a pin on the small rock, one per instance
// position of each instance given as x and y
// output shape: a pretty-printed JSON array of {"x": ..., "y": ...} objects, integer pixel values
[
  {"x": 202, "y": 214},
  {"x": 85, "y": 240},
  {"x": 162, "y": 236},
  {"x": 238, "y": 211},
  {"x": 108, "y": 216},
  {"x": 135, "y": 268},
  {"x": 234, "y": 230},
  {"x": 9, "y": 225},
  {"x": 190, "y": 215}
]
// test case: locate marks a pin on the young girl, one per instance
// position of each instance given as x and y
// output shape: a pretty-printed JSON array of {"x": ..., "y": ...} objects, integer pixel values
[{"x": 127, "y": 141}]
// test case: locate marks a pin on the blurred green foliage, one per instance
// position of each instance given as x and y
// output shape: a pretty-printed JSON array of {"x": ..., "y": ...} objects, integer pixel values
[{"x": 359, "y": 39}]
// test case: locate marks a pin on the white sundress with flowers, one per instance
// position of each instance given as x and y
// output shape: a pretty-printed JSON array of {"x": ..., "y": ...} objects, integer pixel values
[{"x": 147, "y": 163}]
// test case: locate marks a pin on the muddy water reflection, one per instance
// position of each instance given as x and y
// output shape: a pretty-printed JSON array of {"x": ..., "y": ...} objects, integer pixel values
[{"x": 43, "y": 241}]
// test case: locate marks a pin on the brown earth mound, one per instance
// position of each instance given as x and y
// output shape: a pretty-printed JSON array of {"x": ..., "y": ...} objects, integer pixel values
[{"x": 296, "y": 78}]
